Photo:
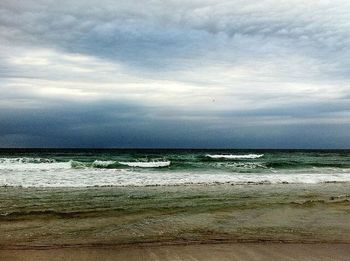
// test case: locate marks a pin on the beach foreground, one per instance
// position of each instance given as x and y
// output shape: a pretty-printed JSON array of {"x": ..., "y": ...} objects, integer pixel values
[{"x": 246, "y": 251}]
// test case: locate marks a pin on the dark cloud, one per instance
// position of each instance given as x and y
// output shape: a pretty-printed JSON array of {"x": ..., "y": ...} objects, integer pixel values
[{"x": 113, "y": 125}]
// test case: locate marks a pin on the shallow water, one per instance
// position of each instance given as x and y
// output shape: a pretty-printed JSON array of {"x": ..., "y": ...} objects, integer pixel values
[{"x": 119, "y": 215}]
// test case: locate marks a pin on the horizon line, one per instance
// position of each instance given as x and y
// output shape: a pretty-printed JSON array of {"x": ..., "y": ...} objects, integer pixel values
[{"x": 158, "y": 148}]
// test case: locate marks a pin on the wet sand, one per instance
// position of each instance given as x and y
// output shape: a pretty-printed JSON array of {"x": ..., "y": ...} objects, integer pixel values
[{"x": 236, "y": 251}]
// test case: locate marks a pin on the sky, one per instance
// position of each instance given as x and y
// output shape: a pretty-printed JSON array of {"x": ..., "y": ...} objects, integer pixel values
[{"x": 180, "y": 74}]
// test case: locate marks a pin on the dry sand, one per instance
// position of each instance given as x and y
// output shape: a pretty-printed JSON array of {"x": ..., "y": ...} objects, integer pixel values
[{"x": 237, "y": 251}]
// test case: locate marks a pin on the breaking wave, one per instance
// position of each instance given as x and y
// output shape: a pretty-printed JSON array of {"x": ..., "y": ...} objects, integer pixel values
[
  {"x": 103, "y": 164},
  {"x": 111, "y": 164},
  {"x": 172, "y": 168},
  {"x": 151, "y": 164},
  {"x": 25, "y": 160},
  {"x": 230, "y": 156},
  {"x": 127, "y": 177},
  {"x": 31, "y": 164}
]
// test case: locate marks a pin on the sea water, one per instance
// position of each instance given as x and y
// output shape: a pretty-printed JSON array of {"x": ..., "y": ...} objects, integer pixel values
[
  {"x": 83, "y": 168},
  {"x": 89, "y": 197}
]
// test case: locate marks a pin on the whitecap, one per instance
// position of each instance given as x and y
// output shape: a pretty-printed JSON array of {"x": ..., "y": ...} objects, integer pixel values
[
  {"x": 150, "y": 164},
  {"x": 231, "y": 156},
  {"x": 25, "y": 160},
  {"x": 128, "y": 177},
  {"x": 102, "y": 163}
]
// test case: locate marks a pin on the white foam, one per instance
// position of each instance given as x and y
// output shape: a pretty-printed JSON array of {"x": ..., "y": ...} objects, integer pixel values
[
  {"x": 46, "y": 173},
  {"x": 150, "y": 164},
  {"x": 25, "y": 160},
  {"x": 127, "y": 177},
  {"x": 230, "y": 156},
  {"x": 101, "y": 163},
  {"x": 240, "y": 165},
  {"x": 32, "y": 164}
]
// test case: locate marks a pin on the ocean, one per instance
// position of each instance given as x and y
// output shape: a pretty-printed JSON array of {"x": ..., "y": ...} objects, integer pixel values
[
  {"x": 85, "y": 168},
  {"x": 66, "y": 196}
]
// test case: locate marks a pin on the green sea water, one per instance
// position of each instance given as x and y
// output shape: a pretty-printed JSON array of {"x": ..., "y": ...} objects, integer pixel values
[{"x": 84, "y": 168}]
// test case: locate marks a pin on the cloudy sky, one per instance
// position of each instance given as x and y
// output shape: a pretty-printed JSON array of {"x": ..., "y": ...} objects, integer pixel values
[{"x": 195, "y": 73}]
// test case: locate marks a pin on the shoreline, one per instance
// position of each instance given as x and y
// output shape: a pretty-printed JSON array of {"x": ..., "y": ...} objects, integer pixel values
[
  {"x": 189, "y": 251},
  {"x": 189, "y": 184},
  {"x": 172, "y": 243}
]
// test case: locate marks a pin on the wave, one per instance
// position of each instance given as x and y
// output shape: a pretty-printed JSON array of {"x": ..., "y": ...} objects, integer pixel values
[
  {"x": 205, "y": 162},
  {"x": 32, "y": 164},
  {"x": 25, "y": 160},
  {"x": 99, "y": 164},
  {"x": 239, "y": 165},
  {"x": 231, "y": 156},
  {"x": 40, "y": 164},
  {"x": 311, "y": 165},
  {"x": 103, "y": 164},
  {"x": 90, "y": 177},
  {"x": 77, "y": 164},
  {"x": 111, "y": 164},
  {"x": 150, "y": 164}
]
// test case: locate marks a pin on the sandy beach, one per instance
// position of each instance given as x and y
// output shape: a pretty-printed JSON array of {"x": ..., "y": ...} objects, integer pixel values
[{"x": 246, "y": 251}]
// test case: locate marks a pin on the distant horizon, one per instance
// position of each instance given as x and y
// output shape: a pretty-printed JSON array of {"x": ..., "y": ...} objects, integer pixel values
[{"x": 163, "y": 148}]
